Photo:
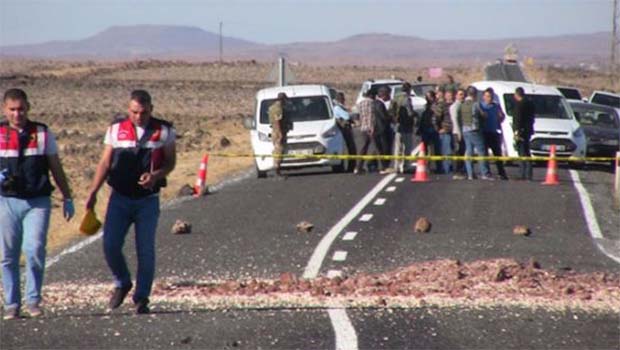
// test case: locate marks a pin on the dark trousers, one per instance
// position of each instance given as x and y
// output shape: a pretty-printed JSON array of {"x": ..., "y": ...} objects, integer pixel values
[
  {"x": 459, "y": 150},
  {"x": 377, "y": 141},
  {"x": 493, "y": 140},
  {"x": 525, "y": 166},
  {"x": 349, "y": 139},
  {"x": 430, "y": 137}
]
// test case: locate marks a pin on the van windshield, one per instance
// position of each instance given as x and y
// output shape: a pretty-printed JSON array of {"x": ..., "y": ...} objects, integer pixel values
[
  {"x": 300, "y": 109},
  {"x": 607, "y": 100},
  {"x": 546, "y": 106}
]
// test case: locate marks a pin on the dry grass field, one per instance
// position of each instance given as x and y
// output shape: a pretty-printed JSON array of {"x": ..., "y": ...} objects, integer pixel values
[{"x": 206, "y": 101}]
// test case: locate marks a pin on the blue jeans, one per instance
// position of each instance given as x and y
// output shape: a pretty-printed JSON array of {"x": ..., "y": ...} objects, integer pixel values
[
  {"x": 23, "y": 225},
  {"x": 474, "y": 143},
  {"x": 446, "y": 150},
  {"x": 143, "y": 213}
]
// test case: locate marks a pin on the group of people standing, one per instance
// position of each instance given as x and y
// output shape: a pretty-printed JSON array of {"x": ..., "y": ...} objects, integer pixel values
[{"x": 454, "y": 121}]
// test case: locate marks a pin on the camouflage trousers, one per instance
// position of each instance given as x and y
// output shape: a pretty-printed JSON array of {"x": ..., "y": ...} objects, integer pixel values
[{"x": 279, "y": 147}]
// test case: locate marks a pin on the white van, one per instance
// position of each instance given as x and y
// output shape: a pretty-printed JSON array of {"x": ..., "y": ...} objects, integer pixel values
[
  {"x": 555, "y": 121},
  {"x": 314, "y": 132}
]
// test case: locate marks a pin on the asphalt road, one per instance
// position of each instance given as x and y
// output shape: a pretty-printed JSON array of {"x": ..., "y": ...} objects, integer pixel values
[{"x": 248, "y": 230}]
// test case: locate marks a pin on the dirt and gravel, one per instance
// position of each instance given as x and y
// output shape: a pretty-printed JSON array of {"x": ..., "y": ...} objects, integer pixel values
[{"x": 482, "y": 283}]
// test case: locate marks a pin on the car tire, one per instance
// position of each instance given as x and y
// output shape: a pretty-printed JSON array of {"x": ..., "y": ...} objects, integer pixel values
[{"x": 260, "y": 174}]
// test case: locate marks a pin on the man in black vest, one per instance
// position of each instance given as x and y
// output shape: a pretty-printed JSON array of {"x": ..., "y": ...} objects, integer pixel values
[
  {"x": 28, "y": 153},
  {"x": 139, "y": 153},
  {"x": 523, "y": 125}
]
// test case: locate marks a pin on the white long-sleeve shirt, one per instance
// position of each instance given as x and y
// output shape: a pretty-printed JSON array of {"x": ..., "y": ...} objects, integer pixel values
[{"x": 456, "y": 126}]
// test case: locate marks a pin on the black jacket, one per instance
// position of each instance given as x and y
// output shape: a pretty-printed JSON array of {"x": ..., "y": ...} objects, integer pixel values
[{"x": 523, "y": 119}]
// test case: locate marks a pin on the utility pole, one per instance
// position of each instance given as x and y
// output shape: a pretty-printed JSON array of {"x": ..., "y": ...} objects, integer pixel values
[
  {"x": 222, "y": 43},
  {"x": 615, "y": 40}
]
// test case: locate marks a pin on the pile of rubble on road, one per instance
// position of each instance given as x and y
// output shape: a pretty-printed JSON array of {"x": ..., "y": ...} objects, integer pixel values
[{"x": 497, "y": 282}]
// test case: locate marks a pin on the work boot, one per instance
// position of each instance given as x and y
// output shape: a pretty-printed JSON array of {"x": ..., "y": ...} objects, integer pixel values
[
  {"x": 118, "y": 296},
  {"x": 142, "y": 306},
  {"x": 11, "y": 313},
  {"x": 34, "y": 310}
]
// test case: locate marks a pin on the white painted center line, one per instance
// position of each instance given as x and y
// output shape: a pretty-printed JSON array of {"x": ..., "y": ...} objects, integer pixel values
[
  {"x": 380, "y": 201},
  {"x": 390, "y": 189},
  {"x": 340, "y": 255},
  {"x": 366, "y": 217},
  {"x": 316, "y": 260},
  {"x": 400, "y": 179},
  {"x": 334, "y": 273},
  {"x": 349, "y": 236},
  {"x": 346, "y": 338}
]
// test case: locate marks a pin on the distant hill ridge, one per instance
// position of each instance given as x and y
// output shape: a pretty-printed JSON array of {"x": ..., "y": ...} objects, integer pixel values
[{"x": 186, "y": 42}]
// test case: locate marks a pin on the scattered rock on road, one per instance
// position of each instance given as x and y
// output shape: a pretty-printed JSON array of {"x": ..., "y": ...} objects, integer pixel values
[
  {"x": 181, "y": 227},
  {"x": 422, "y": 225},
  {"x": 304, "y": 227},
  {"x": 185, "y": 191},
  {"x": 521, "y": 230}
]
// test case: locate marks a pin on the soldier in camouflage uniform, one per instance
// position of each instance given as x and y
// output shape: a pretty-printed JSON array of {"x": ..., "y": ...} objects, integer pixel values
[{"x": 279, "y": 128}]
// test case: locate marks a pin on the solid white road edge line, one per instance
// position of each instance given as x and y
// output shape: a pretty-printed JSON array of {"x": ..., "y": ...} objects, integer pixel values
[
  {"x": 316, "y": 260},
  {"x": 588, "y": 212},
  {"x": 346, "y": 338}
]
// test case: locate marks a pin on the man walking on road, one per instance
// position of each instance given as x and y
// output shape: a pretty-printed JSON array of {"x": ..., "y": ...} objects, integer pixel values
[
  {"x": 28, "y": 153},
  {"x": 343, "y": 120},
  {"x": 279, "y": 128},
  {"x": 401, "y": 110},
  {"x": 139, "y": 153},
  {"x": 370, "y": 129},
  {"x": 523, "y": 125}
]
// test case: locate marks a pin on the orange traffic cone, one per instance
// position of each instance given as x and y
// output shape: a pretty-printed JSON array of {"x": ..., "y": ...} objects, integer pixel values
[
  {"x": 421, "y": 170},
  {"x": 201, "y": 179},
  {"x": 552, "y": 169}
]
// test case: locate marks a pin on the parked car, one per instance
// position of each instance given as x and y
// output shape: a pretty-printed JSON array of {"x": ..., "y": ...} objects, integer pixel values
[
  {"x": 570, "y": 93},
  {"x": 605, "y": 98},
  {"x": 602, "y": 127},
  {"x": 395, "y": 85},
  {"x": 314, "y": 128},
  {"x": 555, "y": 122}
]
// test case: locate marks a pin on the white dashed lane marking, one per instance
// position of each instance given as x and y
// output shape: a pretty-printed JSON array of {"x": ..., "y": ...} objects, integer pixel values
[
  {"x": 366, "y": 217},
  {"x": 400, "y": 179},
  {"x": 334, "y": 273},
  {"x": 349, "y": 236},
  {"x": 380, "y": 201},
  {"x": 340, "y": 255},
  {"x": 390, "y": 189}
]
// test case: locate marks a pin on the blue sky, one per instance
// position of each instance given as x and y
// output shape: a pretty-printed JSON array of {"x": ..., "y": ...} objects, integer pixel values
[{"x": 282, "y": 21}]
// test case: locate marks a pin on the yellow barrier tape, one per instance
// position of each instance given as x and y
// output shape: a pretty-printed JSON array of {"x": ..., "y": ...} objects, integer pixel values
[{"x": 413, "y": 158}]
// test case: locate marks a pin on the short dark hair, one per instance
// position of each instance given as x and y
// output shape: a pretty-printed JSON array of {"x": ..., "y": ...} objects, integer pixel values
[
  {"x": 340, "y": 95},
  {"x": 142, "y": 97},
  {"x": 472, "y": 91},
  {"x": 406, "y": 87},
  {"x": 15, "y": 94},
  {"x": 519, "y": 92},
  {"x": 490, "y": 90}
]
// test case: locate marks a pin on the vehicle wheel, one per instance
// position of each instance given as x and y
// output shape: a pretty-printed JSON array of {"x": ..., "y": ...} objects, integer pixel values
[
  {"x": 260, "y": 174},
  {"x": 338, "y": 168}
]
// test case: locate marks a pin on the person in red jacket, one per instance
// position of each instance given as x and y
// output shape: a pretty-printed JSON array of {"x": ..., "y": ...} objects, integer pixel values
[
  {"x": 28, "y": 153},
  {"x": 139, "y": 153}
]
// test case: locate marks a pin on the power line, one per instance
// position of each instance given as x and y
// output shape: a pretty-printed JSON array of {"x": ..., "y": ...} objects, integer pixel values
[{"x": 615, "y": 41}]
